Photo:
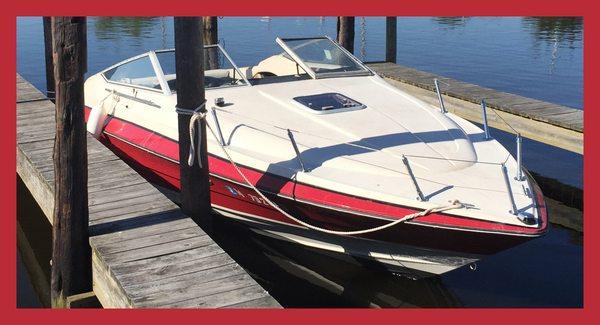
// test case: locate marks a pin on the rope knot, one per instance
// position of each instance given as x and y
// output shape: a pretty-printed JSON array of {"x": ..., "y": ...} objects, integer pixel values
[{"x": 196, "y": 115}]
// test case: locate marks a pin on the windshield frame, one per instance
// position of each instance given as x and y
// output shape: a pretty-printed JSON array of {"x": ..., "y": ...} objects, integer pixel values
[
  {"x": 153, "y": 61},
  {"x": 282, "y": 43},
  {"x": 233, "y": 64},
  {"x": 158, "y": 71}
]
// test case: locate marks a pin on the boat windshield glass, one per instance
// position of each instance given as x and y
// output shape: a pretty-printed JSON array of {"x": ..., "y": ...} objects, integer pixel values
[
  {"x": 137, "y": 72},
  {"x": 219, "y": 69},
  {"x": 322, "y": 56}
]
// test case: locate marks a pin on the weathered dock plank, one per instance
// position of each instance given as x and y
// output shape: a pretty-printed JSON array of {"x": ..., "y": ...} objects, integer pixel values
[
  {"x": 145, "y": 251},
  {"x": 549, "y": 123}
]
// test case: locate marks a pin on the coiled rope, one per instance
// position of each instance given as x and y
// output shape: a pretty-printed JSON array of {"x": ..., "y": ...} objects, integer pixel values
[{"x": 197, "y": 115}]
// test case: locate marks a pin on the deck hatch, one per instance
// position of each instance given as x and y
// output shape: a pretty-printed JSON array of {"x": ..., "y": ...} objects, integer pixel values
[{"x": 329, "y": 102}]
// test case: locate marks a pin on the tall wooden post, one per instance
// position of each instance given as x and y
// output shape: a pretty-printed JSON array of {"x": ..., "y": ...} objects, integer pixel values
[
  {"x": 48, "y": 54},
  {"x": 71, "y": 254},
  {"x": 345, "y": 33},
  {"x": 211, "y": 36},
  {"x": 211, "y": 32},
  {"x": 390, "y": 39},
  {"x": 195, "y": 195}
]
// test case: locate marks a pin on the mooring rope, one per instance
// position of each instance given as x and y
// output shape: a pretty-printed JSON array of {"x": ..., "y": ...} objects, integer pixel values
[
  {"x": 196, "y": 116},
  {"x": 455, "y": 204}
]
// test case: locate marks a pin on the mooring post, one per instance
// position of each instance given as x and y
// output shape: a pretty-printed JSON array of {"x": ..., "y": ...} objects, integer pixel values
[
  {"x": 211, "y": 36},
  {"x": 48, "y": 54},
  {"x": 211, "y": 30},
  {"x": 189, "y": 58},
  {"x": 71, "y": 254},
  {"x": 390, "y": 39},
  {"x": 345, "y": 33}
]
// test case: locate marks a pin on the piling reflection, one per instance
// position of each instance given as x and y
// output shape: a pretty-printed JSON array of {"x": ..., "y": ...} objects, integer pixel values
[
  {"x": 34, "y": 243},
  {"x": 565, "y": 30},
  {"x": 113, "y": 28},
  {"x": 299, "y": 276},
  {"x": 451, "y": 22}
]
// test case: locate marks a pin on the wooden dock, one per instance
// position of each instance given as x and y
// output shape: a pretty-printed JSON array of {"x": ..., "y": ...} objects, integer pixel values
[
  {"x": 549, "y": 123},
  {"x": 145, "y": 251}
]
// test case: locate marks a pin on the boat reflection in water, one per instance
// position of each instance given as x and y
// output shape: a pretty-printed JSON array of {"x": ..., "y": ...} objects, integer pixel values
[{"x": 299, "y": 276}]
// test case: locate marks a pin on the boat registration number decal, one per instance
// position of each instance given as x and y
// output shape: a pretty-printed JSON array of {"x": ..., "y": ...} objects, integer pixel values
[{"x": 254, "y": 198}]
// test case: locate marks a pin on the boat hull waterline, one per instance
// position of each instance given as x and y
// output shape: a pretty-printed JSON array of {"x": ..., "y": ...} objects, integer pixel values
[
  {"x": 311, "y": 146},
  {"x": 420, "y": 247}
]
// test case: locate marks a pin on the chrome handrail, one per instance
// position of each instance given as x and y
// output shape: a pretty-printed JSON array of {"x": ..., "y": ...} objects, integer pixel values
[
  {"x": 439, "y": 94},
  {"x": 291, "y": 136},
  {"x": 519, "y": 158},
  {"x": 485, "y": 121},
  {"x": 420, "y": 197},
  {"x": 221, "y": 138},
  {"x": 509, "y": 191}
]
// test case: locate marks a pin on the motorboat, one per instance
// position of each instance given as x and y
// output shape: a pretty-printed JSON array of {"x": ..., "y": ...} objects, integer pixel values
[{"x": 312, "y": 147}]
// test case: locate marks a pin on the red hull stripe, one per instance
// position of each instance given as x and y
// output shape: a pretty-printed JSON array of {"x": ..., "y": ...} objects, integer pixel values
[{"x": 157, "y": 144}]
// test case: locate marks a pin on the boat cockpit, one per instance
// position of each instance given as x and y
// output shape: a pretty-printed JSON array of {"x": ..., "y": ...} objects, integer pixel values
[{"x": 302, "y": 58}]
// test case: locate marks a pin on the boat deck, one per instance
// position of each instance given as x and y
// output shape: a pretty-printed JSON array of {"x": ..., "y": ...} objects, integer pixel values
[
  {"x": 548, "y": 123},
  {"x": 145, "y": 251}
]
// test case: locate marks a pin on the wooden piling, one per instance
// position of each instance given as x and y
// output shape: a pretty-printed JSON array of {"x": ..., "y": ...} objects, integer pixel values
[
  {"x": 189, "y": 53},
  {"x": 48, "y": 54},
  {"x": 211, "y": 30},
  {"x": 71, "y": 254},
  {"x": 390, "y": 39},
  {"x": 211, "y": 36},
  {"x": 345, "y": 33},
  {"x": 145, "y": 252}
]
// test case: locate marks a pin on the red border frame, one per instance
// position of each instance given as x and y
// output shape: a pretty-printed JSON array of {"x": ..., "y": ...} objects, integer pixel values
[{"x": 585, "y": 8}]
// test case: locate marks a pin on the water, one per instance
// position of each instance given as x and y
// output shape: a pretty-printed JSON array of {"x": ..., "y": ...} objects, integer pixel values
[
  {"x": 26, "y": 295},
  {"x": 535, "y": 57},
  {"x": 37, "y": 234},
  {"x": 546, "y": 272}
]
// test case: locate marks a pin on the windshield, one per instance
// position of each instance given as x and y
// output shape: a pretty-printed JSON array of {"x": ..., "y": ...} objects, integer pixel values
[
  {"x": 322, "y": 57},
  {"x": 136, "y": 72},
  {"x": 219, "y": 71}
]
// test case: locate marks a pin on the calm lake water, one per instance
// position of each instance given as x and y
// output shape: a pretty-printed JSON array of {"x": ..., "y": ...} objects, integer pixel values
[
  {"x": 535, "y": 57},
  {"x": 545, "y": 272}
]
